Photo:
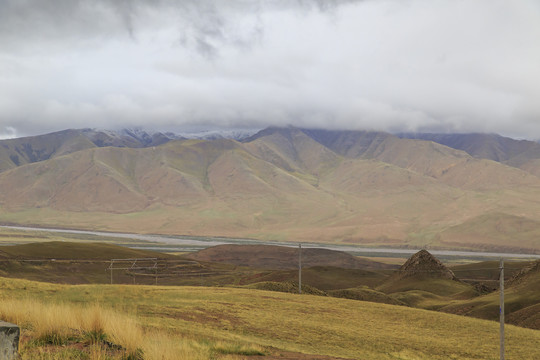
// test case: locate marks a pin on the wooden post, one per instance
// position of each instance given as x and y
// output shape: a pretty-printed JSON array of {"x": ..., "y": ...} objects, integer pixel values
[{"x": 501, "y": 307}]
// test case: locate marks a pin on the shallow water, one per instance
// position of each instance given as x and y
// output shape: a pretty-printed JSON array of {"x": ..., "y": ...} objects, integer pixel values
[{"x": 189, "y": 244}]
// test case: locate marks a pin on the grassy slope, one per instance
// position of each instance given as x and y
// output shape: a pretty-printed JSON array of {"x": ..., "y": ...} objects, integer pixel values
[
  {"x": 494, "y": 230},
  {"x": 283, "y": 257},
  {"x": 487, "y": 271},
  {"x": 322, "y": 277},
  {"x": 426, "y": 292},
  {"x": 79, "y": 251},
  {"x": 16, "y": 152},
  {"x": 74, "y": 262},
  {"x": 10, "y": 236},
  {"x": 308, "y": 324},
  {"x": 86, "y": 262},
  {"x": 417, "y": 291},
  {"x": 522, "y": 301}
]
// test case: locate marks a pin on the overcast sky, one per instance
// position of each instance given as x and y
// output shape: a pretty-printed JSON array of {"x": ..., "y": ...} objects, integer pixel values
[{"x": 392, "y": 65}]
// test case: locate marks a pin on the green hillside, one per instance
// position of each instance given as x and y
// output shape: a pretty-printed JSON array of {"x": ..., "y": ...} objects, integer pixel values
[
  {"x": 78, "y": 251},
  {"x": 522, "y": 300}
]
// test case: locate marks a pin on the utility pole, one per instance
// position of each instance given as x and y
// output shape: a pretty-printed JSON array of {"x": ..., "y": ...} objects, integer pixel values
[
  {"x": 299, "y": 268},
  {"x": 501, "y": 306}
]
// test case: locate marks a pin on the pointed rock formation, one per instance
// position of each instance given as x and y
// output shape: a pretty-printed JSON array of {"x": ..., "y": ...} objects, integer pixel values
[{"x": 424, "y": 264}]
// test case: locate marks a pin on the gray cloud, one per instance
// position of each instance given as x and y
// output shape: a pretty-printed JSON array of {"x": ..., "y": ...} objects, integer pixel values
[{"x": 386, "y": 64}]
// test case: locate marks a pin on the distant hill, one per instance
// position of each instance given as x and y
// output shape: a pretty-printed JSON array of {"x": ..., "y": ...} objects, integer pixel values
[
  {"x": 350, "y": 187},
  {"x": 282, "y": 257},
  {"x": 424, "y": 276},
  {"x": 422, "y": 281},
  {"x": 69, "y": 250}
]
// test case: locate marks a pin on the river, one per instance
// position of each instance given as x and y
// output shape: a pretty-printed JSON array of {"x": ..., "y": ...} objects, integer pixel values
[{"x": 183, "y": 244}]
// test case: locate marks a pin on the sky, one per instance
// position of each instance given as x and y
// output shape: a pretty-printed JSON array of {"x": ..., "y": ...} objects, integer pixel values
[{"x": 390, "y": 65}]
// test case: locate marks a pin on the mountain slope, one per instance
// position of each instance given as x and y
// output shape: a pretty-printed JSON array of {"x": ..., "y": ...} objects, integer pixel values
[
  {"x": 485, "y": 146},
  {"x": 450, "y": 166},
  {"x": 21, "y": 151},
  {"x": 125, "y": 180},
  {"x": 294, "y": 151},
  {"x": 281, "y": 184},
  {"x": 522, "y": 154}
]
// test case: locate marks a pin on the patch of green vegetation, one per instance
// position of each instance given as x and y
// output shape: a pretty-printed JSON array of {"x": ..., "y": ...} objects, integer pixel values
[
  {"x": 365, "y": 294},
  {"x": 95, "y": 336},
  {"x": 441, "y": 287},
  {"x": 79, "y": 251},
  {"x": 420, "y": 298},
  {"x": 324, "y": 277},
  {"x": 53, "y": 338},
  {"x": 288, "y": 287},
  {"x": 425, "y": 238},
  {"x": 237, "y": 349},
  {"x": 40, "y": 353},
  {"x": 309, "y": 178},
  {"x": 217, "y": 214},
  {"x": 146, "y": 213},
  {"x": 520, "y": 294}
]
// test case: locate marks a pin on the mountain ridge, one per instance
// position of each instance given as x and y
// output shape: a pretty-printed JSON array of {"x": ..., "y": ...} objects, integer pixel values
[{"x": 281, "y": 184}]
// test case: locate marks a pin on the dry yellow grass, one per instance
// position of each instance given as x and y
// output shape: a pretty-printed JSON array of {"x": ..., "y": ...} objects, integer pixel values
[
  {"x": 204, "y": 323},
  {"x": 46, "y": 325},
  {"x": 56, "y": 323},
  {"x": 161, "y": 347}
]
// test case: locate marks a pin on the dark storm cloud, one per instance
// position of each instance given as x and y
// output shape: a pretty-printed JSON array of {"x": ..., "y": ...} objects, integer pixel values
[
  {"x": 382, "y": 64},
  {"x": 198, "y": 22}
]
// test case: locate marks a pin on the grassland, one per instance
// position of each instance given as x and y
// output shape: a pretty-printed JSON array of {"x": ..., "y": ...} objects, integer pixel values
[
  {"x": 242, "y": 317},
  {"x": 206, "y": 320},
  {"x": 13, "y": 236}
]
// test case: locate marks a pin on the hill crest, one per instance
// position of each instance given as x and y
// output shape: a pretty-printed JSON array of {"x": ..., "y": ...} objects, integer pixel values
[{"x": 282, "y": 257}]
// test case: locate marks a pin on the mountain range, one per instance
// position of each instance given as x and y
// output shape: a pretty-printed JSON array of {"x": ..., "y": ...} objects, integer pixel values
[{"x": 461, "y": 191}]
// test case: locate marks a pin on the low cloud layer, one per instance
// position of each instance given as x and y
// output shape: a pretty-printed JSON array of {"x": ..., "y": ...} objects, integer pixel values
[{"x": 437, "y": 66}]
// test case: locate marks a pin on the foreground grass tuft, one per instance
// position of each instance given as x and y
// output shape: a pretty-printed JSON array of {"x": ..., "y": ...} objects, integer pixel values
[{"x": 55, "y": 331}]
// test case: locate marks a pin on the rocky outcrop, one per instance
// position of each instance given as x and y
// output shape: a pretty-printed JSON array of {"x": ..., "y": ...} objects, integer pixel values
[
  {"x": 424, "y": 264},
  {"x": 9, "y": 341}
]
